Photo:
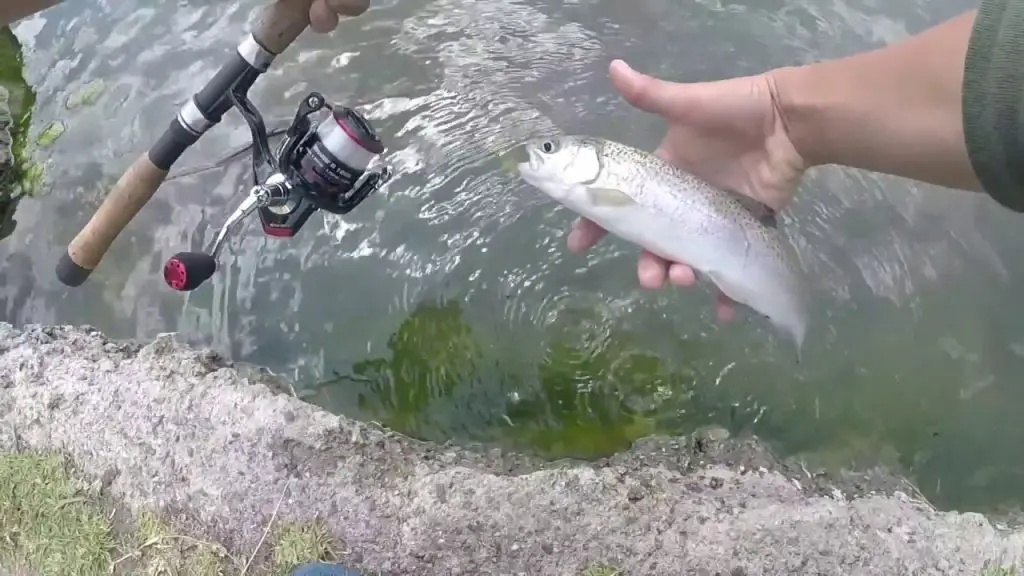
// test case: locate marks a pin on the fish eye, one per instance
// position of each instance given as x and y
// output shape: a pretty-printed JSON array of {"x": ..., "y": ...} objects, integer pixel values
[{"x": 548, "y": 147}]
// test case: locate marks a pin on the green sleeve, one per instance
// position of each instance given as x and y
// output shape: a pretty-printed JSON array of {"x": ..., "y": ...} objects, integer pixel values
[{"x": 993, "y": 100}]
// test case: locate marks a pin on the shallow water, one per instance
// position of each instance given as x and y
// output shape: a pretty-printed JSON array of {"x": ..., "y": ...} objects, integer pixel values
[{"x": 449, "y": 308}]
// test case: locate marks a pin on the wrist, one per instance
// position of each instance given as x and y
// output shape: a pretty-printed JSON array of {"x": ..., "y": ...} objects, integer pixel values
[
  {"x": 802, "y": 100},
  {"x": 894, "y": 110}
]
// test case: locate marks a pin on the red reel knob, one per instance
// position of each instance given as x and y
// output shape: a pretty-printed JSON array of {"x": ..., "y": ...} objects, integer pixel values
[{"x": 186, "y": 271}]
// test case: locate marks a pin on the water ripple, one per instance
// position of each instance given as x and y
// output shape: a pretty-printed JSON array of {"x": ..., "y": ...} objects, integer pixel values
[{"x": 449, "y": 299}]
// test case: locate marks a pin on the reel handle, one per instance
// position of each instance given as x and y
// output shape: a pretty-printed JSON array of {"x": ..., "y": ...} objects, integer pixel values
[
  {"x": 186, "y": 271},
  {"x": 278, "y": 26}
]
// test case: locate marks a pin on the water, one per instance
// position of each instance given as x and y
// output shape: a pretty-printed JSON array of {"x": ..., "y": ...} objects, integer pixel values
[{"x": 449, "y": 308}]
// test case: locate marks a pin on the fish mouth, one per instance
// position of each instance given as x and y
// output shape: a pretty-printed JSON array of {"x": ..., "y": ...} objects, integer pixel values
[{"x": 514, "y": 159}]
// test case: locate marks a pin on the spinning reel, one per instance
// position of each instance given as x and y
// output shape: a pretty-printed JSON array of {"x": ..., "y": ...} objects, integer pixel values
[
  {"x": 321, "y": 168},
  {"x": 316, "y": 168}
]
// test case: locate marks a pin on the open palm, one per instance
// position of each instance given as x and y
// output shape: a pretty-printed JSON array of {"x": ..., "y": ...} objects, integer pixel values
[{"x": 728, "y": 132}]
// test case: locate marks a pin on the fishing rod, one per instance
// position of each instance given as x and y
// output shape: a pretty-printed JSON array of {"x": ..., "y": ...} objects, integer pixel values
[{"x": 322, "y": 166}]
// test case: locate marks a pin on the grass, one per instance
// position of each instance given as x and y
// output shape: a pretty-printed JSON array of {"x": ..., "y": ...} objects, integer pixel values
[
  {"x": 46, "y": 523},
  {"x": 1001, "y": 571},
  {"x": 600, "y": 569},
  {"x": 297, "y": 543},
  {"x": 52, "y": 524},
  {"x": 153, "y": 547}
]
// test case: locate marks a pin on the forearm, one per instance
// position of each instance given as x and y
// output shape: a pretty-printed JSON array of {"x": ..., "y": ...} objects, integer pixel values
[
  {"x": 14, "y": 10},
  {"x": 895, "y": 110}
]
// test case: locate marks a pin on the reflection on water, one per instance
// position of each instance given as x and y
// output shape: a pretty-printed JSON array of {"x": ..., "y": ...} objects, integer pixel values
[{"x": 447, "y": 306}]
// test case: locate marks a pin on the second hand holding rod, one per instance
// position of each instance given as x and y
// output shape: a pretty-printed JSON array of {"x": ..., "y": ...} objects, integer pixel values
[{"x": 278, "y": 26}]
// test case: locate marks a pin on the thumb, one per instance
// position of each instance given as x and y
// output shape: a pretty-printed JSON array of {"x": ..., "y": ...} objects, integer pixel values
[
  {"x": 676, "y": 100},
  {"x": 647, "y": 93}
]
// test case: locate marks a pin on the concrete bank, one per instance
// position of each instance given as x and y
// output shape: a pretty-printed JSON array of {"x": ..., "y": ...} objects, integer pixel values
[{"x": 214, "y": 446}]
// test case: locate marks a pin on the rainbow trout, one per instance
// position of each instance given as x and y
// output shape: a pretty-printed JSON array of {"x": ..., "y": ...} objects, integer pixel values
[{"x": 648, "y": 201}]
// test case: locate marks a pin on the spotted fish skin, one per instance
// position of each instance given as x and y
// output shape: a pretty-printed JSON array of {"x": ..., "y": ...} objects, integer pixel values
[{"x": 636, "y": 195}]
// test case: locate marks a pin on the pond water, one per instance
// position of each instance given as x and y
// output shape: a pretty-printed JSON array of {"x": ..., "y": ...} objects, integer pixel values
[{"x": 447, "y": 306}]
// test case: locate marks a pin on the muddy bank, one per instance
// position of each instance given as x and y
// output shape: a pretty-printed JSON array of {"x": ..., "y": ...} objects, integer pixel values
[{"x": 215, "y": 446}]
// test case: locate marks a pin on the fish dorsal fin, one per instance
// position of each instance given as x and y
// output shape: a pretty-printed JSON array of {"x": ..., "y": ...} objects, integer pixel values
[
  {"x": 608, "y": 196},
  {"x": 762, "y": 212}
]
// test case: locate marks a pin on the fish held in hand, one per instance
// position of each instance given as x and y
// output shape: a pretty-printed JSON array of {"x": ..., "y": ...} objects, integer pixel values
[{"x": 728, "y": 238}]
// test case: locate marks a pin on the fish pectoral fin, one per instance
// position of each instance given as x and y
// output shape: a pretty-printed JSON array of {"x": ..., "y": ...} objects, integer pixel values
[
  {"x": 608, "y": 196},
  {"x": 762, "y": 212}
]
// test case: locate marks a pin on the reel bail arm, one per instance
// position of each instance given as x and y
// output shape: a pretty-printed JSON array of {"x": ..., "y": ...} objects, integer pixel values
[{"x": 186, "y": 271}]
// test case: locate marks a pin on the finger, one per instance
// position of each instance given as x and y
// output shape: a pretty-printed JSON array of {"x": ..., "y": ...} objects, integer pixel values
[
  {"x": 691, "y": 101},
  {"x": 322, "y": 18},
  {"x": 681, "y": 275},
  {"x": 651, "y": 270},
  {"x": 724, "y": 308},
  {"x": 647, "y": 92},
  {"x": 584, "y": 234},
  {"x": 349, "y": 8}
]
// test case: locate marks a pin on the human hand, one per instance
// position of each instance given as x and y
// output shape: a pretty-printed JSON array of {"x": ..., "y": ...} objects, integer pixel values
[
  {"x": 729, "y": 133},
  {"x": 323, "y": 14}
]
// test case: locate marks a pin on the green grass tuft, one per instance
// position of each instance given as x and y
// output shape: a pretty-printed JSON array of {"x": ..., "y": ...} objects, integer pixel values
[
  {"x": 46, "y": 522},
  {"x": 601, "y": 569},
  {"x": 156, "y": 548},
  {"x": 51, "y": 526},
  {"x": 298, "y": 543}
]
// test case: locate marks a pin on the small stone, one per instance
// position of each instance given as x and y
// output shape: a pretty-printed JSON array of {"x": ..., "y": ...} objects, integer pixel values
[
  {"x": 547, "y": 548},
  {"x": 108, "y": 477},
  {"x": 738, "y": 571},
  {"x": 635, "y": 494},
  {"x": 441, "y": 493},
  {"x": 716, "y": 483},
  {"x": 55, "y": 402}
]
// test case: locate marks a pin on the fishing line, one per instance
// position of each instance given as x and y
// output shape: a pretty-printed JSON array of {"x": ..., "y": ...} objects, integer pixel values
[{"x": 227, "y": 159}]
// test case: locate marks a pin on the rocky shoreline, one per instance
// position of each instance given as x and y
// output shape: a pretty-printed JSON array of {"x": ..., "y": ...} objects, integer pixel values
[{"x": 218, "y": 449}]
